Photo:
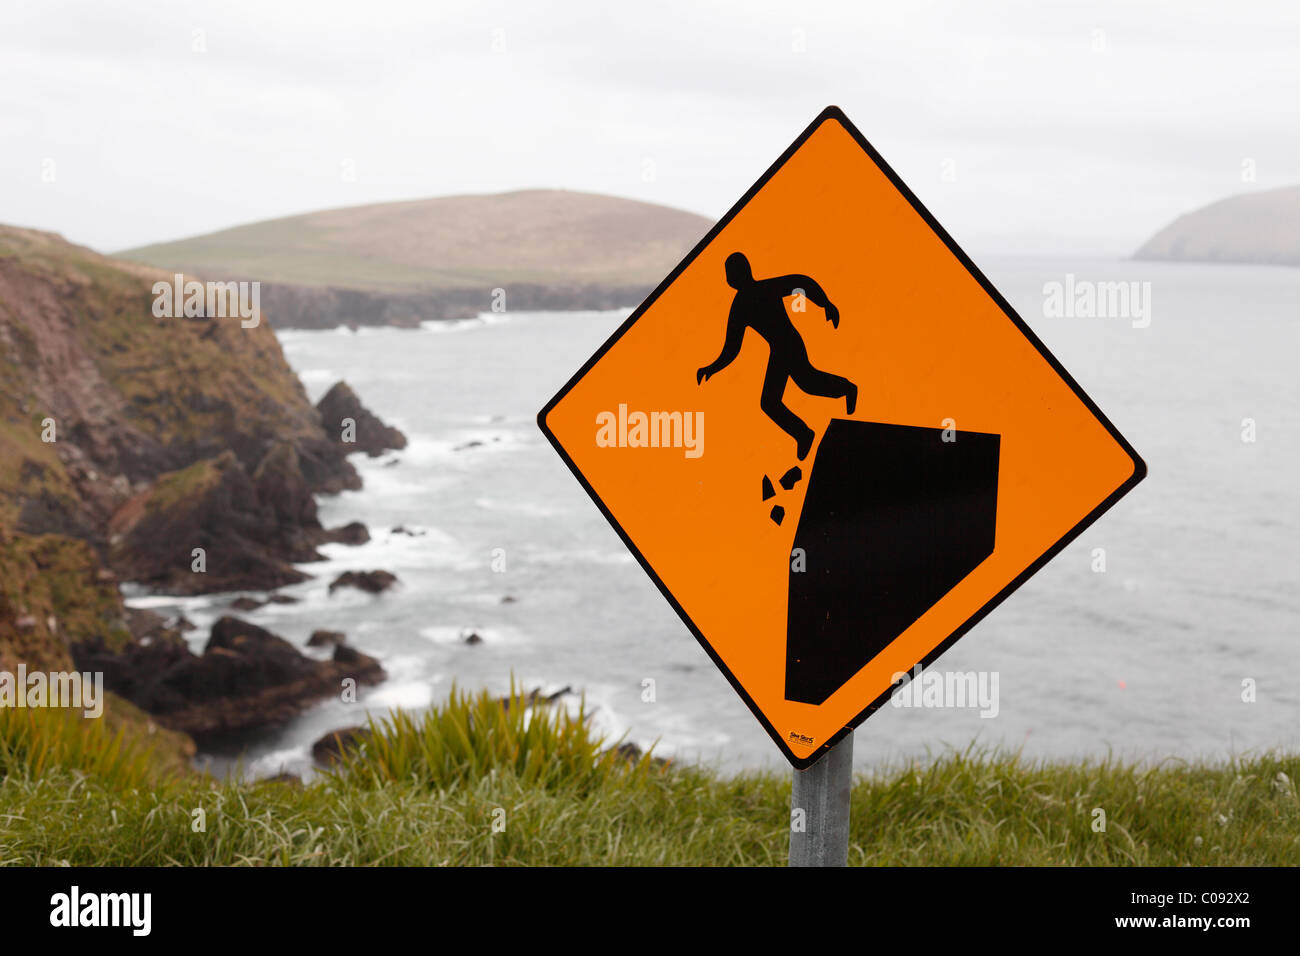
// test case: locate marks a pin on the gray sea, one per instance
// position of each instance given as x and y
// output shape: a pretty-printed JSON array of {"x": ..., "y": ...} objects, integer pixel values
[{"x": 1149, "y": 659}]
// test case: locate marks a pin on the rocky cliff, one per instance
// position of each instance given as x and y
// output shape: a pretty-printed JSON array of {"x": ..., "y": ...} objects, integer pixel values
[
  {"x": 179, "y": 452},
  {"x": 99, "y": 397}
]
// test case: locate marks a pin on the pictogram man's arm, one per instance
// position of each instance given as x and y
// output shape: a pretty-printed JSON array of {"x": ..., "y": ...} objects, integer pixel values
[
  {"x": 806, "y": 284},
  {"x": 730, "y": 348}
]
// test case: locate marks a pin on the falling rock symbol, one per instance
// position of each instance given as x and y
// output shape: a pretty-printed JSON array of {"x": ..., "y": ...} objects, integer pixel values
[
  {"x": 893, "y": 519},
  {"x": 768, "y": 490}
]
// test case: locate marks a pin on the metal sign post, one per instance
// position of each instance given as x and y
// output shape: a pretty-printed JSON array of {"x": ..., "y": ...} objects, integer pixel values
[{"x": 819, "y": 835}]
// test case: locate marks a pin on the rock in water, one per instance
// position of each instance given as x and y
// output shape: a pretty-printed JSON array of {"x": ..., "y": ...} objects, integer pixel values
[
  {"x": 372, "y": 582},
  {"x": 337, "y": 743},
  {"x": 323, "y": 638},
  {"x": 353, "y": 533},
  {"x": 366, "y": 432},
  {"x": 894, "y": 518},
  {"x": 246, "y": 679}
]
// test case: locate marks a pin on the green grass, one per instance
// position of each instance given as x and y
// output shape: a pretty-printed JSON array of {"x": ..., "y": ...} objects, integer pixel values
[
  {"x": 477, "y": 783},
  {"x": 39, "y": 741}
]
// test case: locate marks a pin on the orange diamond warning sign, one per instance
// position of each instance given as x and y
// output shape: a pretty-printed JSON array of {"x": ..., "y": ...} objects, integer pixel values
[{"x": 831, "y": 442}]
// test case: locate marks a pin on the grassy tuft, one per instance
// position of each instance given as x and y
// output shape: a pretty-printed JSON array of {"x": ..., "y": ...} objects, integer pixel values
[
  {"x": 38, "y": 740},
  {"x": 474, "y": 735}
]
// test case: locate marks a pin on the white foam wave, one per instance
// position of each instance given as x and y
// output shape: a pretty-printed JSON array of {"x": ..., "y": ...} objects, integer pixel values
[
  {"x": 529, "y": 508},
  {"x": 581, "y": 556},
  {"x": 480, "y": 321},
  {"x": 410, "y": 695},
  {"x": 287, "y": 760}
]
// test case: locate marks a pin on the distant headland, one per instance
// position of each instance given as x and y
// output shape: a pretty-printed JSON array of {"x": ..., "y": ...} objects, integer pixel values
[
  {"x": 402, "y": 263},
  {"x": 1262, "y": 228}
]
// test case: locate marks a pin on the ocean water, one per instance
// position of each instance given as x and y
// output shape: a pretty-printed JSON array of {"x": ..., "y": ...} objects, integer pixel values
[{"x": 1146, "y": 660}]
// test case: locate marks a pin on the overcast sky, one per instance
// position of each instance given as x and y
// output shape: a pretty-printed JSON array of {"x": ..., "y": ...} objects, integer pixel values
[{"x": 1062, "y": 127}]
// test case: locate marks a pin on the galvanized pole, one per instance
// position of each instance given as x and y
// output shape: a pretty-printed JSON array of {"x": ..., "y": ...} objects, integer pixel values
[{"x": 819, "y": 835}]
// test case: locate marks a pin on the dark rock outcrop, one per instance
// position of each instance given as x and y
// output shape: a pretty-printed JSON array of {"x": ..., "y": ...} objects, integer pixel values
[
  {"x": 372, "y": 582},
  {"x": 366, "y": 432},
  {"x": 246, "y": 678},
  {"x": 629, "y": 751},
  {"x": 331, "y": 748},
  {"x": 283, "y": 491},
  {"x": 537, "y": 698},
  {"x": 251, "y": 529},
  {"x": 344, "y": 654},
  {"x": 322, "y": 638},
  {"x": 213, "y": 506},
  {"x": 354, "y": 532},
  {"x": 633, "y": 754}
]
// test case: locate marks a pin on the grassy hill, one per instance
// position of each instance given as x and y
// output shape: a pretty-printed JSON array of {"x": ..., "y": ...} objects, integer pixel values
[
  {"x": 402, "y": 262},
  {"x": 1259, "y": 227},
  {"x": 476, "y": 782}
]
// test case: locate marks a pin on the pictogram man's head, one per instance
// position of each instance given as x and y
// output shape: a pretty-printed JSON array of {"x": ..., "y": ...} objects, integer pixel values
[{"x": 739, "y": 274}]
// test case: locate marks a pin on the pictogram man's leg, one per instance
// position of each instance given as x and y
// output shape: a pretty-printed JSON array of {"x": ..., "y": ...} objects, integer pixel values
[
  {"x": 772, "y": 404},
  {"x": 816, "y": 382}
]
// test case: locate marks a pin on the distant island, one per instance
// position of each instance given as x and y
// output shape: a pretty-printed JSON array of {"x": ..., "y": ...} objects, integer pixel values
[
  {"x": 402, "y": 263},
  {"x": 1260, "y": 227}
]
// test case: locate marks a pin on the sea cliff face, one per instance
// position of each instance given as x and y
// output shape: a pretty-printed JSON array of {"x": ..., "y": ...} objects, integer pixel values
[
  {"x": 98, "y": 397},
  {"x": 178, "y": 452}
]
